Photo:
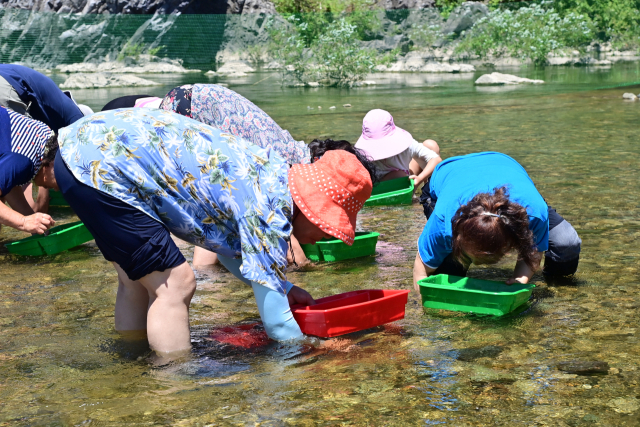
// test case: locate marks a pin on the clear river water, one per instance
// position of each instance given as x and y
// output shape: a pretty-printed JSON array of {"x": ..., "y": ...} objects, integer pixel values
[{"x": 63, "y": 364}]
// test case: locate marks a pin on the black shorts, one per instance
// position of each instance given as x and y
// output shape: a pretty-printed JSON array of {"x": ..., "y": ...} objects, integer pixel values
[{"x": 127, "y": 236}]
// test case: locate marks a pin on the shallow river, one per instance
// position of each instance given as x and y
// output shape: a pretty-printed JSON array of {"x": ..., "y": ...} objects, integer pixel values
[{"x": 62, "y": 363}]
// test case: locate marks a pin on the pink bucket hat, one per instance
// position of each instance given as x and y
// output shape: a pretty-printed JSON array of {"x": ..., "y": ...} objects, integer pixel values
[{"x": 381, "y": 138}]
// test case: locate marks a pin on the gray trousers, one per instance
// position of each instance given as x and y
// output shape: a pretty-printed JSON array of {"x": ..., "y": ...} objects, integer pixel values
[{"x": 9, "y": 98}]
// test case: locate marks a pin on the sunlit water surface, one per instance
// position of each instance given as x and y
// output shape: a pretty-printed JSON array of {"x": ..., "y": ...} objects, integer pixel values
[{"x": 61, "y": 362}]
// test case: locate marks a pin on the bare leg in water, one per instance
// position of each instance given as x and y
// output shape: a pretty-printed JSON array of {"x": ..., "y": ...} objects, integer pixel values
[{"x": 158, "y": 303}]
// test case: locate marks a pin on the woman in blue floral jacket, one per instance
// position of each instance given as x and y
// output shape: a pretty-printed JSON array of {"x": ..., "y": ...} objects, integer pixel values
[{"x": 134, "y": 176}]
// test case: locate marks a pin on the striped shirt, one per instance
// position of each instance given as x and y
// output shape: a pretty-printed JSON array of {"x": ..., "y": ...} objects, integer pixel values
[{"x": 22, "y": 143}]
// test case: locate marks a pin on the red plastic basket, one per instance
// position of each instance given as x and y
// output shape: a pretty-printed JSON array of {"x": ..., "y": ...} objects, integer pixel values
[{"x": 351, "y": 312}]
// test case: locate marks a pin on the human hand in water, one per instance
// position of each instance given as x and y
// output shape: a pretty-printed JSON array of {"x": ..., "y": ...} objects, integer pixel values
[
  {"x": 298, "y": 295},
  {"x": 38, "y": 223},
  {"x": 522, "y": 280}
]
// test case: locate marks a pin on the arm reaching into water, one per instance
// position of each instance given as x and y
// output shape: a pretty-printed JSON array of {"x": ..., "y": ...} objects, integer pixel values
[
  {"x": 20, "y": 215},
  {"x": 426, "y": 172},
  {"x": 522, "y": 273},
  {"x": 420, "y": 271}
]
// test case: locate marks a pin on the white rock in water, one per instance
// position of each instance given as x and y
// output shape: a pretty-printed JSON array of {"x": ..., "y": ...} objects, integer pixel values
[
  {"x": 122, "y": 68},
  {"x": 236, "y": 74},
  {"x": 437, "y": 67},
  {"x": 365, "y": 83},
  {"x": 313, "y": 84},
  {"x": 235, "y": 67},
  {"x": 504, "y": 79},
  {"x": 100, "y": 80},
  {"x": 210, "y": 73},
  {"x": 346, "y": 105},
  {"x": 333, "y": 107},
  {"x": 630, "y": 96}
]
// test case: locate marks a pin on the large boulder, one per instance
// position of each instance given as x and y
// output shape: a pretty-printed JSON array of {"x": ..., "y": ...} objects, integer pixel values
[
  {"x": 141, "y": 65},
  {"x": 497, "y": 79},
  {"x": 464, "y": 17},
  {"x": 405, "y": 4},
  {"x": 142, "y": 7},
  {"x": 235, "y": 67},
  {"x": 101, "y": 80}
]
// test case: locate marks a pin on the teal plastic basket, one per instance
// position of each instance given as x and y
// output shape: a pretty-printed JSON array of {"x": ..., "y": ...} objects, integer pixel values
[
  {"x": 60, "y": 239},
  {"x": 469, "y": 295},
  {"x": 364, "y": 244},
  {"x": 397, "y": 191}
]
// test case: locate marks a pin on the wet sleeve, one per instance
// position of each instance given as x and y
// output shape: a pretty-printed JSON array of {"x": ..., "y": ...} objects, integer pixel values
[
  {"x": 433, "y": 244},
  {"x": 419, "y": 151},
  {"x": 540, "y": 231},
  {"x": 15, "y": 169},
  {"x": 273, "y": 306}
]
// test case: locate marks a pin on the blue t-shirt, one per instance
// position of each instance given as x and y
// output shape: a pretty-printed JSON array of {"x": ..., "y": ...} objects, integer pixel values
[
  {"x": 457, "y": 180},
  {"x": 49, "y": 104}
]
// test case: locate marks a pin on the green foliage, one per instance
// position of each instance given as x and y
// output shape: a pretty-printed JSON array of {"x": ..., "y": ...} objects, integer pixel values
[
  {"x": 528, "y": 33},
  {"x": 447, "y": 6},
  {"x": 319, "y": 14},
  {"x": 334, "y": 57},
  {"x": 340, "y": 58},
  {"x": 155, "y": 50},
  {"x": 288, "y": 47},
  {"x": 614, "y": 18},
  {"x": 136, "y": 49},
  {"x": 423, "y": 35}
]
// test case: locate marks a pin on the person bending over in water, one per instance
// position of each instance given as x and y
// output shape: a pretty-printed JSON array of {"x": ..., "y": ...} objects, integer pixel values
[
  {"x": 230, "y": 112},
  {"x": 34, "y": 95},
  {"x": 394, "y": 151},
  {"x": 482, "y": 206},
  {"x": 25, "y": 146},
  {"x": 134, "y": 176}
]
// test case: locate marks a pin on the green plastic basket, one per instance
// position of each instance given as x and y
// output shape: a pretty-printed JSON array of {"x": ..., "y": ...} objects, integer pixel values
[
  {"x": 336, "y": 250},
  {"x": 397, "y": 191},
  {"x": 56, "y": 199},
  {"x": 60, "y": 239},
  {"x": 468, "y": 295}
]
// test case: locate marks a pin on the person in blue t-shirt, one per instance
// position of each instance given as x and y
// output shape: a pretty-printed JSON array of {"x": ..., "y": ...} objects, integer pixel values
[{"x": 487, "y": 206}]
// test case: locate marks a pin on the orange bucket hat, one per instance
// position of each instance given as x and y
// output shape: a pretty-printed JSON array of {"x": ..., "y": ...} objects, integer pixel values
[{"x": 331, "y": 192}]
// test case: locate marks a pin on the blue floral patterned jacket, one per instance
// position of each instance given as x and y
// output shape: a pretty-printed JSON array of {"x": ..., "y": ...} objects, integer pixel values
[{"x": 209, "y": 188}]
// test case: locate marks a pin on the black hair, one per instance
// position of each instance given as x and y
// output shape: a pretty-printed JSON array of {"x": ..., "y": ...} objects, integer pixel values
[
  {"x": 318, "y": 147},
  {"x": 50, "y": 150}
]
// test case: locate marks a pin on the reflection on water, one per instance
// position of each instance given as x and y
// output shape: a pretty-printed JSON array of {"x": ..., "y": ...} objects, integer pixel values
[{"x": 61, "y": 363}]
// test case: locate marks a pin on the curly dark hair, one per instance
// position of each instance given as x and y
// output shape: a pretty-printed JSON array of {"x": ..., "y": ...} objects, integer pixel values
[
  {"x": 50, "y": 149},
  {"x": 490, "y": 225},
  {"x": 318, "y": 147}
]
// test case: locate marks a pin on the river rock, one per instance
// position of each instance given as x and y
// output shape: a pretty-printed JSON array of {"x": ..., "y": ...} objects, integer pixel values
[
  {"x": 235, "y": 67},
  {"x": 101, "y": 80},
  {"x": 470, "y": 354},
  {"x": 630, "y": 96},
  {"x": 625, "y": 405},
  {"x": 437, "y": 67},
  {"x": 504, "y": 79},
  {"x": 168, "y": 66},
  {"x": 139, "y": 7},
  {"x": 581, "y": 367},
  {"x": 417, "y": 64},
  {"x": 464, "y": 17}
]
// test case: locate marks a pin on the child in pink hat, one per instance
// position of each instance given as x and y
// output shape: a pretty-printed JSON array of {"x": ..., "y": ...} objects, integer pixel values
[{"x": 394, "y": 151}]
